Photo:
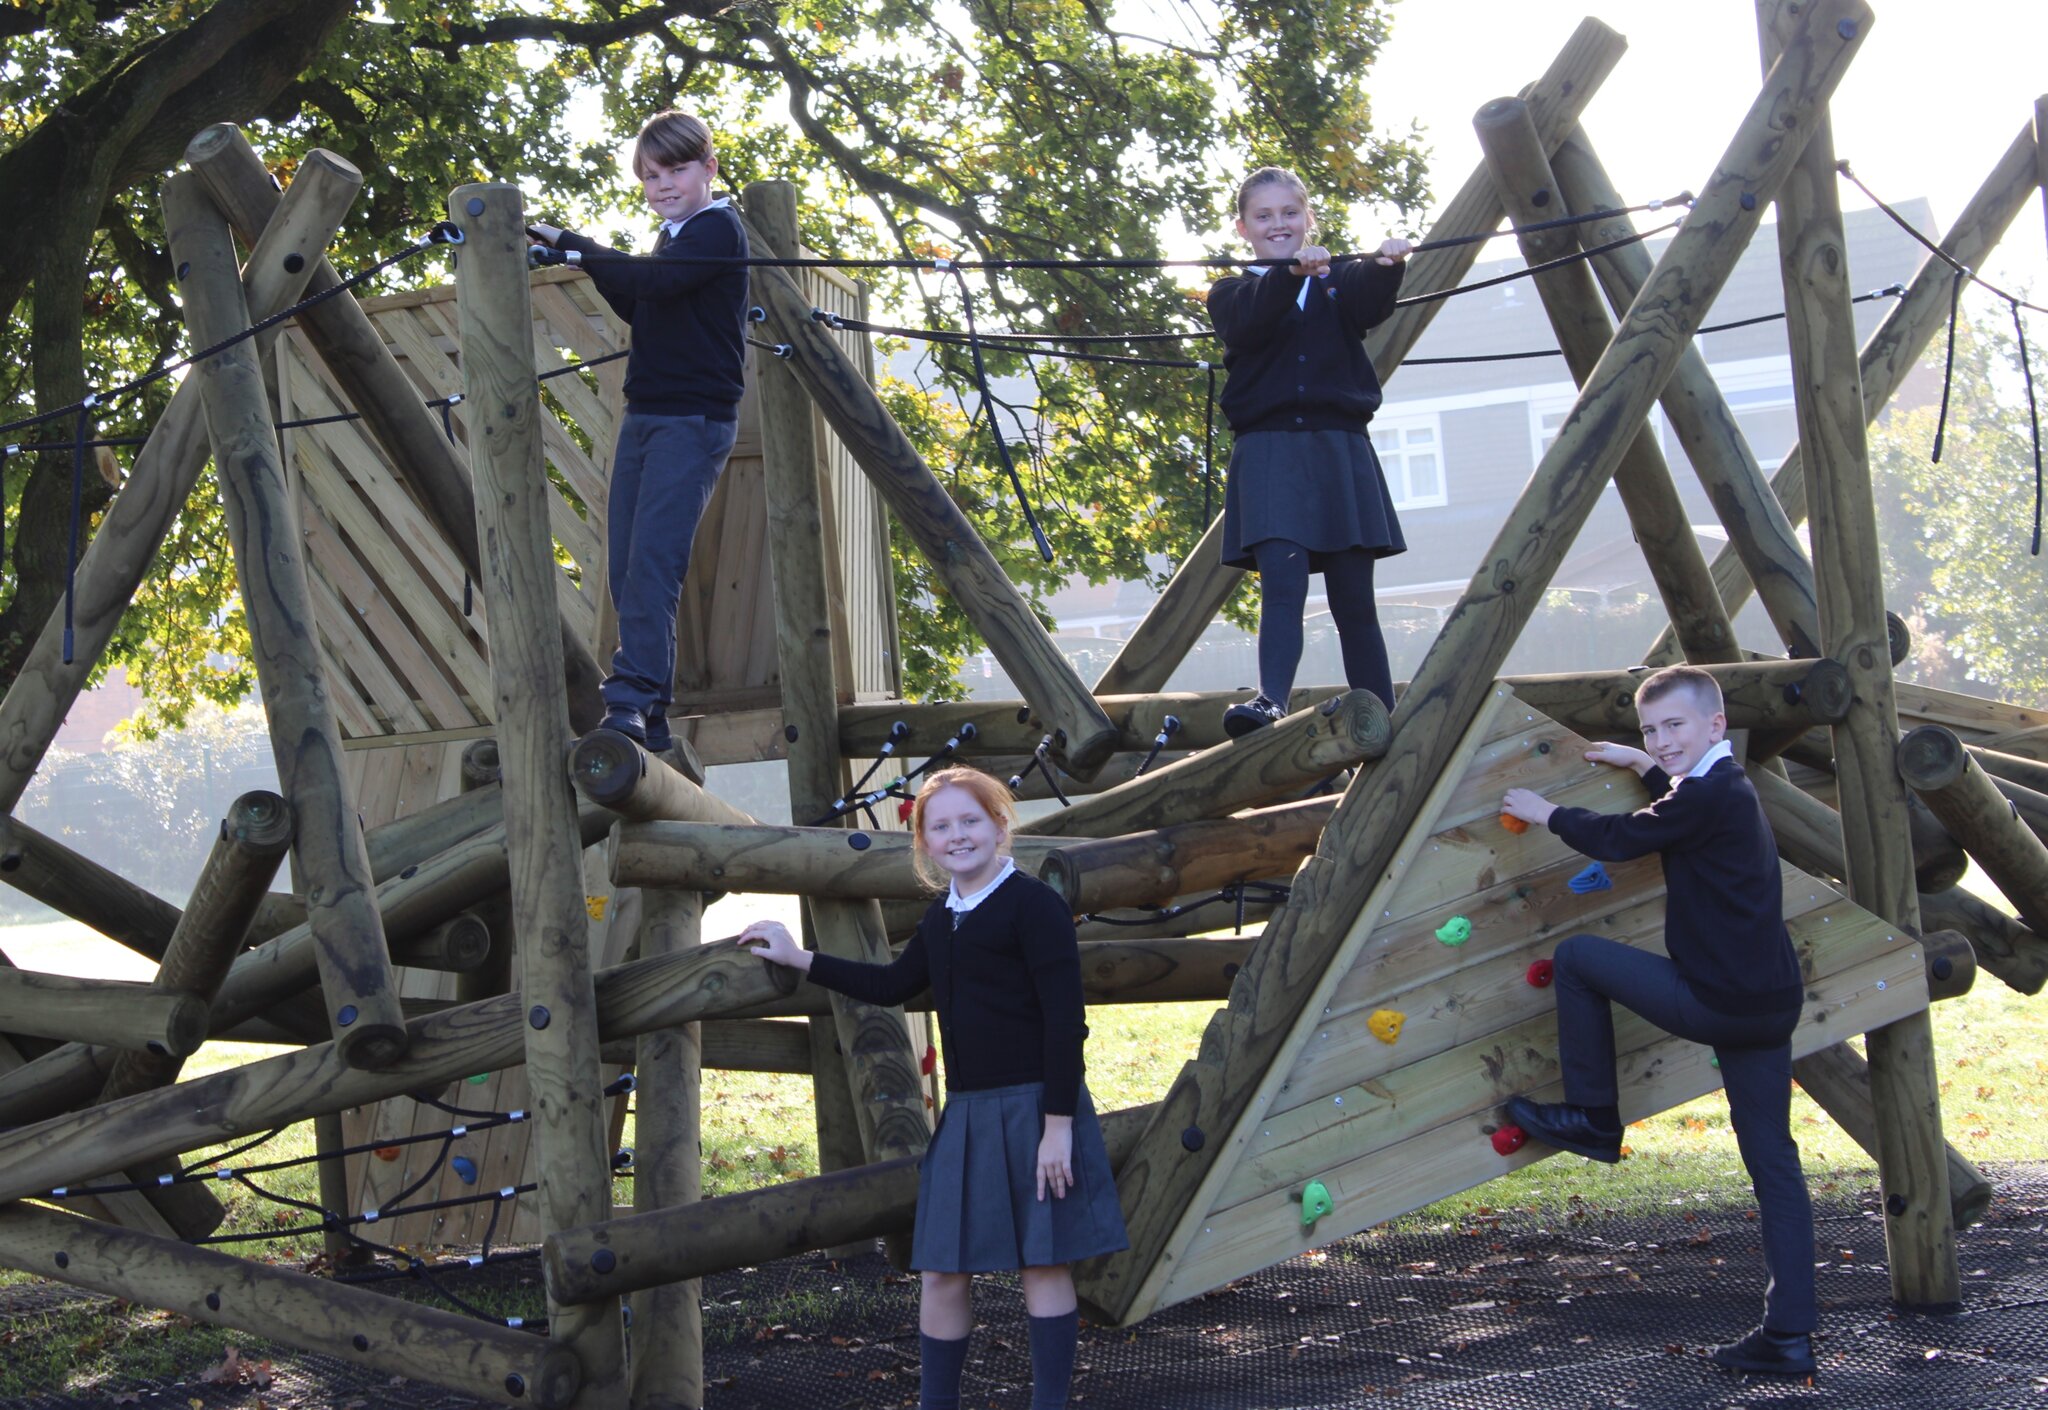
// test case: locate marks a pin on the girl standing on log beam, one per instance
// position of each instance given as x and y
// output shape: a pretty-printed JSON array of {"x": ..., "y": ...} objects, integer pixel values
[
  {"x": 1016, "y": 1175},
  {"x": 1305, "y": 492}
]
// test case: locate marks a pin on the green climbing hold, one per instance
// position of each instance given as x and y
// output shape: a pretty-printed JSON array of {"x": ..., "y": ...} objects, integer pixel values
[
  {"x": 479, "y": 1079},
  {"x": 1455, "y": 931},
  {"x": 1315, "y": 1203},
  {"x": 1713, "y": 1062}
]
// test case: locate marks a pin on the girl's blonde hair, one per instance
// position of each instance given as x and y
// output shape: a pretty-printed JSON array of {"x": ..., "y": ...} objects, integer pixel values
[
  {"x": 1264, "y": 175},
  {"x": 993, "y": 798}
]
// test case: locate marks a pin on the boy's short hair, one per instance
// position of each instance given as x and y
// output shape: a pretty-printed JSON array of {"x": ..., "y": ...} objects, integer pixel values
[
  {"x": 671, "y": 138},
  {"x": 1706, "y": 691}
]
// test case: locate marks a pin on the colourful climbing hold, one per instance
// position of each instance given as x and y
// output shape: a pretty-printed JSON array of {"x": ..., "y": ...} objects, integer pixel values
[
  {"x": 478, "y": 1080},
  {"x": 1713, "y": 1062},
  {"x": 1514, "y": 824},
  {"x": 1385, "y": 1024},
  {"x": 386, "y": 1152},
  {"x": 1455, "y": 931},
  {"x": 930, "y": 1061},
  {"x": 1508, "y": 1139},
  {"x": 1593, "y": 878},
  {"x": 1315, "y": 1203},
  {"x": 595, "y": 906},
  {"x": 464, "y": 1168},
  {"x": 1541, "y": 972}
]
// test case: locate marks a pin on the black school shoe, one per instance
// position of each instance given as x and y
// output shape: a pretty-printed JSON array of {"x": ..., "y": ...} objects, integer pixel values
[
  {"x": 624, "y": 719},
  {"x": 1567, "y": 1128},
  {"x": 1767, "y": 1353},
  {"x": 659, "y": 739},
  {"x": 1247, "y": 716}
]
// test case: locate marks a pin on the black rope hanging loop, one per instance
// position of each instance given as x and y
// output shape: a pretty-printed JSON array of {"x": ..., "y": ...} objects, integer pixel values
[
  {"x": 2019, "y": 328},
  {"x": 77, "y": 514},
  {"x": 1209, "y": 451},
  {"x": 1948, "y": 365},
  {"x": 448, "y": 429},
  {"x": 988, "y": 400}
]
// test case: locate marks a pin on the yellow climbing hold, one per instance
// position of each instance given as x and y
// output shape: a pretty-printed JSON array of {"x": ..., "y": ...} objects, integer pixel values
[
  {"x": 595, "y": 905},
  {"x": 1386, "y": 1024}
]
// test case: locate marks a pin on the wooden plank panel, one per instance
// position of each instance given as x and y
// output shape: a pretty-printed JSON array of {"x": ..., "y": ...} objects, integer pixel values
[{"x": 1456, "y": 1155}]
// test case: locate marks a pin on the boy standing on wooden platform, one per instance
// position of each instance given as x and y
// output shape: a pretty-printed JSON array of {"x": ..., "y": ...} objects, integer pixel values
[
  {"x": 1732, "y": 981},
  {"x": 688, "y": 309}
]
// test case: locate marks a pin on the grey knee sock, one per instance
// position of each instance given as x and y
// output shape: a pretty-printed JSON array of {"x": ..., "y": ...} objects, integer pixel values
[
  {"x": 941, "y": 1363},
  {"x": 1053, "y": 1342}
]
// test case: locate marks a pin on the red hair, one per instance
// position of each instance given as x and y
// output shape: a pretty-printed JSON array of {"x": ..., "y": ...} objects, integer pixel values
[{"x": 992, "y": 796}]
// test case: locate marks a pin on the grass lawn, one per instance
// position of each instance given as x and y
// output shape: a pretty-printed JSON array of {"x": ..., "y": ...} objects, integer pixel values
[{"x": 1992, "y": 1048}]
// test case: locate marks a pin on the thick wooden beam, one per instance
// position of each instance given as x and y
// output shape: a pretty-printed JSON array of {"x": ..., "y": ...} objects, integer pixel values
[
  {"x": 1838, "y": 1078},
  {"x": 375, "y": 385},
  {"x": 805, "y": 861},
  {"x": 1267, "y": 767},
  {"x": 614, "y": 773},
  {"x": 381, "y": 1335},
  {"x": 1201, "y": 585},
  {"x": 74, "y": 885},
  {"x": 757, "y": 1226},
  {"x": 1166, "y": 1179},
  {"x": 114, "y": 1012},
  {"x": 1151, "y": 868},
  {"x": 1530, "y": 193},
  {"x": 328, "y": 856},
  {"x": 1830, "y": 402},
  {"x": 667, "y": 1324},
  {"x": 495, "y": 306},
  {"x": 973, "y": 579},
  {"x": 1936, "y": 766},
  {"x": 1763, "y": 548}
]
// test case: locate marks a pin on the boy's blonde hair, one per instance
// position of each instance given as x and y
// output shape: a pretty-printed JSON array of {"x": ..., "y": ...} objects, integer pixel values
[
  {"x": 670, "y": 138},
  {"x": 992, "y": 796},
  {"x": 1265, "y": 175},
  {"x": 1706, "y": 691}
]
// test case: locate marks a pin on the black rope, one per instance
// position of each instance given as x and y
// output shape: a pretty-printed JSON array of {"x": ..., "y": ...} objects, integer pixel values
[
  {"x": 1236, "y": 893},
  {"x": 1168, "y": 727},
  {"x": 1948, "y": 364},
  {"x": 448, "y": 429},
  {"x": 1209, "y": 449},
  {"x": 77, "y": 512},
  {"x": 1544, "y": 268},
  {"x": 988, "y": 400},
  {"x": 896, "y": 788},
  {"x": 2019, "y": 329},
  {"x": 1937, "y": 251}
]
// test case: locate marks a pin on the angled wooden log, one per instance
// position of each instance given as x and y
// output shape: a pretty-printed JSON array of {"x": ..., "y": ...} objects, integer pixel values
[
  {"x": 1151, "y": 868},
  {"x": 375, "y": 385},
  {"x": 114, "y": 1012},
  {"x": 973, "y": 579},
  {"x": 400, "y": 843},
  {"x": 1201, "y": 584},
  {"x": 614, "y": 773},
  {"x": 1838, "y": 1078},
  {"x": 1165, "y": 1179},
  {"x": 1936, "y": 766},
  {"x": 74, "y": 885},
  {"x": 1288, "y": 758},
  {"x": 1530, "y": 193},
  {"x": 519, "y": 575},
  {"x": 1951, "y": 967},
  {"x": 668, "y": 1170},
  {"x": 328, "y": 856},
  {"x": 733, "y": 1231},
  {"x": 714, "y": 981},
  {"x": 808, "y": 861},
  {"x": 379, "y": 1334},
  {"x": 1887, "y": 356},
  {"x": 458, "y": 945},
  {"x": 1763, "y": 549},
  {"x": 159, "y": 483},
  {"x": 2002, "y": 945},
  {"x": 1830, "y": 403},
  {"x": 874, "y": 1046}
]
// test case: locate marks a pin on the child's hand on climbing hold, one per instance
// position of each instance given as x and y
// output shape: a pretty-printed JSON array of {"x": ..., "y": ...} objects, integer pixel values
[
  {"x": 776, "y": 944},
  {"x": 1528, "y": 805},
  {"x": 1056, "y": 1157},
  {"x": 1620, "y": 756}
]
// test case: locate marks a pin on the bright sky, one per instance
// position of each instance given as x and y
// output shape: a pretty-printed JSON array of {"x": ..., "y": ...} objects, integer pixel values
[{"x": 1936, "y": 94}]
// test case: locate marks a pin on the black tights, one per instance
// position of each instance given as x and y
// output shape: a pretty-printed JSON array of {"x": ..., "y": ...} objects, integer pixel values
[{"x": 1283, "y": 583}]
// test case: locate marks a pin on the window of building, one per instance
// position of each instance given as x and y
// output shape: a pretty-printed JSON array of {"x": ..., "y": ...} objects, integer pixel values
[{"x": 1411, "y": 452}]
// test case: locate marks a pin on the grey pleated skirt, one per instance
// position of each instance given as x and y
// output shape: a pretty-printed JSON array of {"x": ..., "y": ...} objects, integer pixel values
[
  {"x": 978, "y": 1209},
  {"x": 1321, "y": 489}
]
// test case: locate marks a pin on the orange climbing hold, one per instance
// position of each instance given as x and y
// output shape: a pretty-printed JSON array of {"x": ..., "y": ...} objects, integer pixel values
[{"x": 1513, "y": 824}]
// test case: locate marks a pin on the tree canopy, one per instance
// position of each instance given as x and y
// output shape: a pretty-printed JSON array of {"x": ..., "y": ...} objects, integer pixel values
[{"x": 1020, "y": 129}]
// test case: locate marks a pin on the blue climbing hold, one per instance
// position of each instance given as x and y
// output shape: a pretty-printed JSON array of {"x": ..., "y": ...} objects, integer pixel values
[
  {"x": 465, "y": 1169},
  {"x": 1593, "y": 878}
]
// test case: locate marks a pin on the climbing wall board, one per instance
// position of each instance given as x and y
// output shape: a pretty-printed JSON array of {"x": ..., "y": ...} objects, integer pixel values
[{"x": 1389, "y": 1128}]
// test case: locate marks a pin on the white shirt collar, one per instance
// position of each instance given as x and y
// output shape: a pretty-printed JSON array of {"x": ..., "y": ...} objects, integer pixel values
[
  {"x": 1300, "y": 299},
  {"x": 675, "y": 227},
  {"x": 961, "y": 905},
  {"x": 1720, "y": 751}
]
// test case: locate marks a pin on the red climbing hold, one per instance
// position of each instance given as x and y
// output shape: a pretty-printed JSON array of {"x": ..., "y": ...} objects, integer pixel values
[
  {"x": 1541, "y": 972},
  {"x": 1508, "y": 1139},
  {"x": 386, "y": 1152},
  {"x": 903, "y": 809},
  {"x": 1513, "y": 824},
  {"x": 930, "y": 1061}
]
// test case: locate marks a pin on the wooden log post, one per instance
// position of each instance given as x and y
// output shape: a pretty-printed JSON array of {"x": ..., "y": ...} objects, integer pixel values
[
  {"x": 1151, "y": 868},
  {"x": 68, "y": 882},
  {"x": 616, "y": 774},
  {"x": 715, "y": 981},
  {"x": 1830, "y": 403},
  {"x": 495, "y": 306},
  {"x": 1764, "y": 550},
  {"x": 160, "y": 481},
  {"x": 1171, "y": 1174},
  {"x": 1531, "y": 196},
  {"x": 383, "y": 1335},
  {"x": 806, "y": 861},
  {"x": 114, "y": 1012},
  {"x": 1202, "y": 584},
  {"x": 328, "y": 856},
  {"x": 328, "y": 1143},
  {"x": 1936, "y": 766},
  {"x": 460, "y": 944},
  {"x": 2002, "y": 945},
  {"x": 377, "y": 387},
  {"x": 668, "y": 1169},
  {"x": 1839, "y": 1079},
  {"x": 757, "y": 1226},
  {"x": 975, "y": 581},
  {"x": 1294, "y": 754}
]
